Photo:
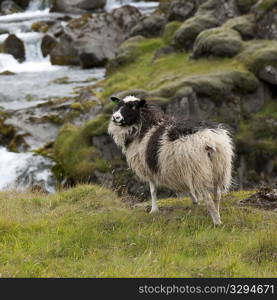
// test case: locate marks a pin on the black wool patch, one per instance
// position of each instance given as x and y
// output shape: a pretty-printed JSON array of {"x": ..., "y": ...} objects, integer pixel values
[
  {"x": 152, "y": 150},
  {"x": 179, "y": 128}
]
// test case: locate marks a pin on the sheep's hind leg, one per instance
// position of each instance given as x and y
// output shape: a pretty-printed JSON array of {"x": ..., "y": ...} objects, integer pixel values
[
  {"x": 212, "y": 209},
  {"x": 217, "y": 198},
  {"x": 153, "y": 191},
  {"x": 194, "y": 199},
  {"x": 191, "y": 195}
]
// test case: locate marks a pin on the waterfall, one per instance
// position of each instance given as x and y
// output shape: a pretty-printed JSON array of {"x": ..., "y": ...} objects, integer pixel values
[
  {"x": 35, "y": 5},
  {"x": 144, "y": 6},
  {"x": 25, "y": 170}
]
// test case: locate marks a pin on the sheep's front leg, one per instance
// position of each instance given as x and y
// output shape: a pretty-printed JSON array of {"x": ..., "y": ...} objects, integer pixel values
[{"x": 153, "y": 191}]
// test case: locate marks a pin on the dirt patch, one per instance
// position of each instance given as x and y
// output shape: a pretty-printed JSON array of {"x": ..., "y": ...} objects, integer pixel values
[{"x": 265, "y": 198}]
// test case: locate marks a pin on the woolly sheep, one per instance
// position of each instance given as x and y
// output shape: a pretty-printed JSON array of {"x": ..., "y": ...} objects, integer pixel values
[{"x": 188, "y": 156}]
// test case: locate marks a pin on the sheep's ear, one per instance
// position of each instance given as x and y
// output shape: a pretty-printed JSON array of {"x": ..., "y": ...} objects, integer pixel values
[
  {"x": 114, "y": 99},
  {"x": 141, "y": 103}
]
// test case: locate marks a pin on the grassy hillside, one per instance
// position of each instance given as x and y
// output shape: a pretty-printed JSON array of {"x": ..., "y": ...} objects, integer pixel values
[{"x": 88, "y": 232}]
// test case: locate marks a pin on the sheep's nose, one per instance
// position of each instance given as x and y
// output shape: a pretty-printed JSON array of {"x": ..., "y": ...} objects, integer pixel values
[{"x": 117, "y": 118}]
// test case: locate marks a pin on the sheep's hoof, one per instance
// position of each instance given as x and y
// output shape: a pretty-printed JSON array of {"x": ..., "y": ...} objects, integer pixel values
[
  {"x": 218, "y": 223},
  {"x": 154, "y": 211}
]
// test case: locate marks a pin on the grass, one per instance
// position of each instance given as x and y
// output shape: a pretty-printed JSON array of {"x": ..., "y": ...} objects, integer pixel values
[
  {"x": 149, "y": 75},
  {"x": 87, "y": 231}
]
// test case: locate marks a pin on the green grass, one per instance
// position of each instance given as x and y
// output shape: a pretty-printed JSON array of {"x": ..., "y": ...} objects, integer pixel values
[
  {"x": 88, "y": 232},
  {"x": 149, "y": 75}
]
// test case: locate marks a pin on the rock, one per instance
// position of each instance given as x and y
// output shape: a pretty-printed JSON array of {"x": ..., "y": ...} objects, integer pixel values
[
  {"x": 244, "y": 25},
  {"x": 265, "y": 198},
  {"x": 39, "y": 125},
  {"x": 163, "y": 51},
  {"x": 187, "y": 33},
  {"x": 77, "y": 6},
  {"x": 7, "y": 73},
  {"x": 217, "y": 42},
  {"x": 269, "y": 74},
  {"x": 48, "y": 43},
  {"x": 14, "y": 46},
  {"x": 125, "y": 54},
  {"x": 180, "y": 10},
  {"x": 40, "y": 26},
  {"x": 126, "y": 17},
  {"x": 22, "y": 3},
  {"x": 211, "y": 91},
  {"x": 266, "y": 19},
  {"x": 222, "y": 10},
  {"x": 89, "y": 41},
  {"x": 260, "y": 57},
  {"x": 9, "y": 7},
  {"x": 245, "y": 6},
  {"x": 149, "y": 26},
  {"x": 64, "y": 53}
]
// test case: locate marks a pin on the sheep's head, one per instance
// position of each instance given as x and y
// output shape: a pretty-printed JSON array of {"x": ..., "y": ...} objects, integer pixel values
[{"x": 127, "y": 111}]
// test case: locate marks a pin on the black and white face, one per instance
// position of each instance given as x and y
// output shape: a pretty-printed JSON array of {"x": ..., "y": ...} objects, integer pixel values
[{"x": 127, "y": 111}]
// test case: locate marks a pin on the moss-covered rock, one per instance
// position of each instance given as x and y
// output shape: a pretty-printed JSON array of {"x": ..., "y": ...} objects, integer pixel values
[
  {"x": 245, "y": 25},
  {"x": 217, "y": 42},
  {"x": 260, "y": 57},
  {"x": 149, "y": 26},
  {"x": 40, "y": 26},
  {"x": 126, "y": 53},
  {"x": 222, "y": 10},
  {"x": 170, "y": 30},
  {"x": 187, "y": 33},
  {"x": 75, "y": 152},
  {"x": 180, "y": 10}
]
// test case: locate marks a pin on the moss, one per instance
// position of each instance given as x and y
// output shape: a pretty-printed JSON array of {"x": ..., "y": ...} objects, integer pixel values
[
  {"x": 163, "y": 77},
  {"x": 218, "y": 42},
  {"x": 126, "y": 54},
  {"x": 56, "y": 119},
  {"x": 96, "y": 127},
  {"x": 76, "y": 106},
  {"x": 187, "y": 33},
  {"x": 215, "y": 86},
  {"x": 169, "y": 31},
  {"x": 75, "y": 153},
  {"x": 6, "y": 73},
  {"x": 40, "y": 27},
  {"x": 258, "y": 54},
  {"x": 244, "y": 25},
  {"x": 80, "y": 22}
]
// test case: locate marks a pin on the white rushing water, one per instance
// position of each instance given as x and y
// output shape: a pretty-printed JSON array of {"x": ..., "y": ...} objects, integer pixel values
[
  {"x": 144, "y": 7},
  {"x": 23, "y": 170}
]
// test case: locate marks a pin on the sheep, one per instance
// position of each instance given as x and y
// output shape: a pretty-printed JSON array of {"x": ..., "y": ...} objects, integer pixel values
[{"x": 184, "y": 155}]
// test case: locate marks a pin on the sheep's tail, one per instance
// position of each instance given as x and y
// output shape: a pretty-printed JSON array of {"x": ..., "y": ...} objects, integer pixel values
[{"x": 222, "y": 160}]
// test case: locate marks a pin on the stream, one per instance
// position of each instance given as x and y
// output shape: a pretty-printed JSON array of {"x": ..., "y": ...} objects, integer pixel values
[{"x": 30, "y": 86}]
